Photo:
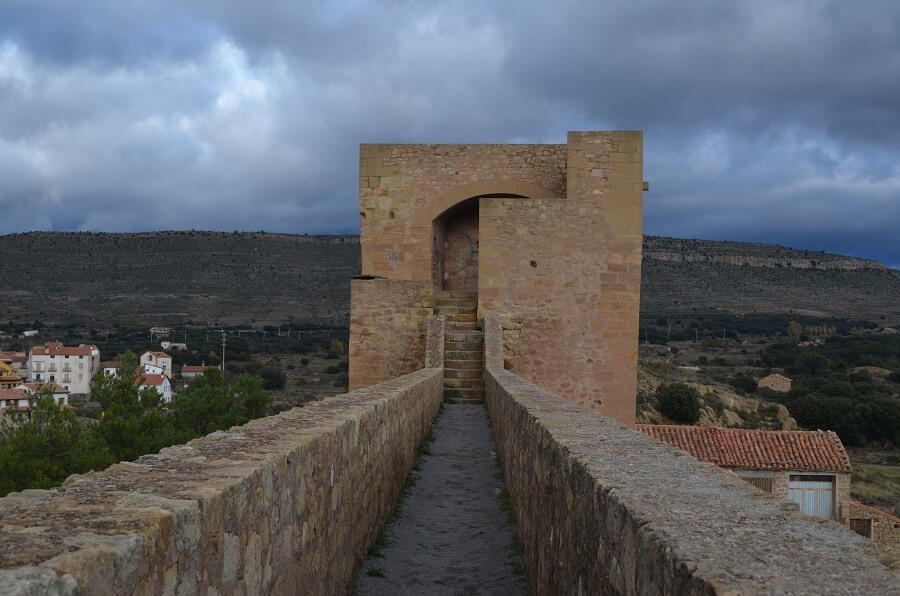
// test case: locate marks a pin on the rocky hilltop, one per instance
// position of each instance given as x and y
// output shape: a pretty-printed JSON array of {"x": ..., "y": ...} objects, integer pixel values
[
  {"x": 690, "y": 277},
  {"x": 738, "y": 254},
  {"x": 259, "y": 278}
]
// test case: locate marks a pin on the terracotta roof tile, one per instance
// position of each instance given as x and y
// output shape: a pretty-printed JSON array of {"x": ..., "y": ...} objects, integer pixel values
[
  {"x": 802, "y": 450},
  {"x": 55, "y": 348},
  {"x": 13, "y": 394},
  {"x": 198, "y": 369},
  {"x": 879, "y": 512},
  {"x": 37, "y": 387},
  {"x": 150, "y": 379}
]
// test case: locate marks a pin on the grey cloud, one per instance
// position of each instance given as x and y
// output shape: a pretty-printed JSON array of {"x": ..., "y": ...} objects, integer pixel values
[{"x": 763, "y": 121}]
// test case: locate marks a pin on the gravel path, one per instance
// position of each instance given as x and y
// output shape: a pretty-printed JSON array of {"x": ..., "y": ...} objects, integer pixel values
[{"x": 449, "y": 535}]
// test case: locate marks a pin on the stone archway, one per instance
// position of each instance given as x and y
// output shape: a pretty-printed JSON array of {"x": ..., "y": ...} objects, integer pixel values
[
  {"x": 454, "y": 227},
  {"x": 455, "y": 242}
]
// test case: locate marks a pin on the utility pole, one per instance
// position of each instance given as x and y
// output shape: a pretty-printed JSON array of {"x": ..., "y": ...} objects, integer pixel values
[{"x": 223, "y": 351}]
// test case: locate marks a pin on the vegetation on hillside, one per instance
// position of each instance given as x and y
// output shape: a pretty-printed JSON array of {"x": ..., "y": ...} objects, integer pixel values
[{"x": 41, "y": 446}]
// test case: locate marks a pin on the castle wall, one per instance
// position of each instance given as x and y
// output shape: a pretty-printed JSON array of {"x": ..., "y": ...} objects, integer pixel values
[
  {"x": 403, "y": 188},
  {"x": 387, "y": 329},
  {"x": 559, "y": 238},
  {"x": 282, "y": 505},
  {"x": 603, "y": 509}
]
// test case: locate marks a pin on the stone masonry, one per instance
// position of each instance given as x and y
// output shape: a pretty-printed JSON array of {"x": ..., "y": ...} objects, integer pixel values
[
  {"x": 282, "y": 505},
  {"x": 603, "y": 509},
  {"x": 559, "y": 233}
]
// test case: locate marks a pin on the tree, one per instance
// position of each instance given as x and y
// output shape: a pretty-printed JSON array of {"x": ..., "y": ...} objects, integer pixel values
[
  {"x": 679, "y": 402},
  {"x": 209, "y": 404},
  {"x": 249, "y": 393},
  {"x": 43, "y": 445},
  {"x": 133, "y": 422},
  {"x": 794, "y": 329},
  {"x": 272, "y": 377},
  {"x": 203, "y": 405}
]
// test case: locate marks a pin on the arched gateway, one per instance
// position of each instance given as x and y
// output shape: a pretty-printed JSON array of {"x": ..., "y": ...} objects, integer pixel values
[{"x": 547, "y": 237}]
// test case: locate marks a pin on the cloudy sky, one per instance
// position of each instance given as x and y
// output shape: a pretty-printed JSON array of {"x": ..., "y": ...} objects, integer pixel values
[{"x": 767, "y": 121}]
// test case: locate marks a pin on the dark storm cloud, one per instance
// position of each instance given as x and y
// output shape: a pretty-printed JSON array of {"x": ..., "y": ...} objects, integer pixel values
[{"x": 764, "y": 121}]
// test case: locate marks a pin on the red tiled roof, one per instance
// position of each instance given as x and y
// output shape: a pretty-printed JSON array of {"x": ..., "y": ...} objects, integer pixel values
[
  {"x": 37, "y": 387},
  {"x": 802, "y": 450},
  {"x": 158, "y": 354},
  {"x": 13, "y": 356},
  {"x": 13, "y": 394},
  {"x": 109, "y": 364},
  {"x": 197, "y": 369},
  {"x": 876, "y": 511},
  {"x": 149, "y": 379},
  {"x": 55, "y": 348}
]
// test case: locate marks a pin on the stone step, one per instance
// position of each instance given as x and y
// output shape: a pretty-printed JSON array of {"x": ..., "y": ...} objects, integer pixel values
[
  {"x": 457, "y": 302},
  {"x": 456, "y": 310},
  {"x": 464, "y": 364},
  {"x": 463, "y": 384},
  {"x": 471, "y": 374},
  {"x": 461, "y": 346},
  {"x": 467, "y": 326},
  {"x": 466, "y": 401},
  {"x": 463, "y": 318},
  {"x": 464, "y": 356},
  {"x": 464, "y": 335},
  {"x": 470, "y": 395},
  {"x": 446, "y": 294}
]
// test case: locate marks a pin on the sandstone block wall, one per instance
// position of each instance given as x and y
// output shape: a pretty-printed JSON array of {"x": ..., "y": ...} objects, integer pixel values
[
  {"x": 604, "y": 509},
  {"x": 403, "y": 188},
  {"x": 283, "y": 505},
  {"x": 387, "y": 329},
  {"x": 559, "y": 241},
  {"x": 885, "y": 528}
]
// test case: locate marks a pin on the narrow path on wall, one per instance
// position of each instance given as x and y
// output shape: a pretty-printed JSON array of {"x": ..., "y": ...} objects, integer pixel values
[{"x": 451, "y": 533}]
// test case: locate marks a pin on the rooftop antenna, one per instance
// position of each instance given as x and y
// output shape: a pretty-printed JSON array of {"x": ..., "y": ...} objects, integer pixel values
[{"x": 223, "y": 351}]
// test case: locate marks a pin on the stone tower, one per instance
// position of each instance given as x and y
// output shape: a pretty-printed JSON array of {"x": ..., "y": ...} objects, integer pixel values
[{"x": 546, "y": 237}]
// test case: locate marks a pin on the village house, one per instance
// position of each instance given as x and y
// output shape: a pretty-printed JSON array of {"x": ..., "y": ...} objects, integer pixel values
[
  {"x": 881, "y": 527},
  {"x": 172, "y": 345},
  {"x": 8, "y": 378},
  {"x": 811, "y": 468},
  {"x": 71, "y": 367},
  {"x": 19, "y": 396},
  {"x": 192, "y": 372},
  {"x": 160, "y": 359},
  {"x": 775, "y": 382},
  {"x": 159, "y": 382},
  {"x": 18, "y": 361},
  {"x": 109, "y": 367}
]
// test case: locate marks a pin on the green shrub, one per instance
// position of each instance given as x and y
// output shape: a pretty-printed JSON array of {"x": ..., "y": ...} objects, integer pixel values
[{"x": 679, "y": 402}]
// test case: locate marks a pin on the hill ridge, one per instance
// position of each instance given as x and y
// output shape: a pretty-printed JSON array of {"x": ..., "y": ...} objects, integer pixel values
[{"x": 266, "y": 278}]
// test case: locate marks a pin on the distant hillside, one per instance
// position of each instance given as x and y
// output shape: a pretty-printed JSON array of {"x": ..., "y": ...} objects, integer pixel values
[
  {"x": 247, "y": 278},
  {"x": 681, "y": 277},
  {"x": 175, "y": 277}
]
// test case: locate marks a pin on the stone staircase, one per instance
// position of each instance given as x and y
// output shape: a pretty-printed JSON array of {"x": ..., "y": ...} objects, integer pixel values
[{"x": 463, "y": 347}]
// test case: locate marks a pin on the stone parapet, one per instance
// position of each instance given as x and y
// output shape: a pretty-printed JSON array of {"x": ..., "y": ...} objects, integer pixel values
[
  {"x": 434, "y": 342},
  {"x": 604, "y": 509},
  {"x": 282, "y": 505},
  {"x": 387, "y": 328}
]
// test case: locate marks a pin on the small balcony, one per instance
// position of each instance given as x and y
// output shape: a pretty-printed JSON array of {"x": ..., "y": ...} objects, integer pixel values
[{"x": 52, "y": 368}]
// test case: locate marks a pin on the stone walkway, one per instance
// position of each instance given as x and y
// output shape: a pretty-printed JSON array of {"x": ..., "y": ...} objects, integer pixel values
[{"x": 449, "y": 535}]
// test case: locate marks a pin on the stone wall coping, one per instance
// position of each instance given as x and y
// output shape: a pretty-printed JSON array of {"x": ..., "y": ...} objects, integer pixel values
[
  {"x": 731, "y": 537},
  {"x": 105, "y": 532}
]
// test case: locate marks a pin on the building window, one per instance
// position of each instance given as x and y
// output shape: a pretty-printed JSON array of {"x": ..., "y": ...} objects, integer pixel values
[
  {"x": 764, "y": 484},
  {"x": 861, "y": 525}
]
